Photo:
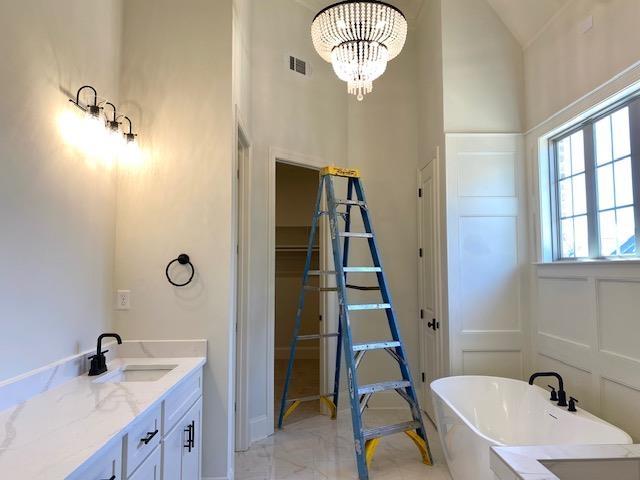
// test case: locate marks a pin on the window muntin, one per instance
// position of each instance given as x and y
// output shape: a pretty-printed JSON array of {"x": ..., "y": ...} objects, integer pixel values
[{"x": 594, "y": 167}]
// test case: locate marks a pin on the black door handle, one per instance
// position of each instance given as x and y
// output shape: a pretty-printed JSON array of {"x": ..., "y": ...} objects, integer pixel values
[
  {"x": 432, "y": 325},
  {"x": 149, "y": 436}
]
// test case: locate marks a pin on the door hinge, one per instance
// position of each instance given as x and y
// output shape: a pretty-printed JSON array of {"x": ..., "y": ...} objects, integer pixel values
[
  {"x": 421, "y": 313},
  {"x": 420, "y": 192},
  {"x": 423, "y": 377},
  {"x": 420, "y": 252}
]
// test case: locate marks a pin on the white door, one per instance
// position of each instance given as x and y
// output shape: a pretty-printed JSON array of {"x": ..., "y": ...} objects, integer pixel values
[{"x": 429, "y": 321}]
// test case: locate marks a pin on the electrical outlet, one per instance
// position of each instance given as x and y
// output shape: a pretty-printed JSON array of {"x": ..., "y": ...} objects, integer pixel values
[{"x": 122, "y": 300}]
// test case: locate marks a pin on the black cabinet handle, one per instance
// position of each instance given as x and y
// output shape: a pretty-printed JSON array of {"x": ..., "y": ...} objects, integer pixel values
[
  {"x": 190, "y": 430},
  {"x": 432, "y": 324},
  {"x": 112, "y": 477},
  {"x": 149, "y": 436}
]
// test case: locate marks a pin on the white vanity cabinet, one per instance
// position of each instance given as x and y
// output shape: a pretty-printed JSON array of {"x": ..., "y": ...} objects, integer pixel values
[
  {"x": 163, "y": 443},
  {"x": 181, "y": 451}
]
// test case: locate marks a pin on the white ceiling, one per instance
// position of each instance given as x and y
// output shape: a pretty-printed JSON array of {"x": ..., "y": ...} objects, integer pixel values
[{"x": 526, "y": 18}]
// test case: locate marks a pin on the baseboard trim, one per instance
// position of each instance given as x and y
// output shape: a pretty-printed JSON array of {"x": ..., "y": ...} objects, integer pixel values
[{"x": 259, "y": 428}]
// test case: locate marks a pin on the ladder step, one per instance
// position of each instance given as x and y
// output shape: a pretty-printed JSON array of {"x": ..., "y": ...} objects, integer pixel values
[
  {"x": 341, "y": 201},
  {"x": 360, "y": 287},
  {"x": 320, "y": 289},
  {"x": 356, "y": 234},
  {"x": 321, "y": 272},
  {"x": 309, "y": 398},
  {"x": 369, "y": 306},
  {"x": 375, "y": 346},
  {"x": 316, "y": 336},
  {"x": 384, "y": 430},
  {"x": 383, "y": 386},
  {"x": 360, "y": 269}
]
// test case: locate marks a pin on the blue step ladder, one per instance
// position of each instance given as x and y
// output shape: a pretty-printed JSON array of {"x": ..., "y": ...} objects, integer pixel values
[{"x": 365, "y": 439}]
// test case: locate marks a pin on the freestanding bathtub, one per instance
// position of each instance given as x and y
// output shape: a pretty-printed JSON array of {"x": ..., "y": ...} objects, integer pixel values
[{"x": 474, "y": 413}]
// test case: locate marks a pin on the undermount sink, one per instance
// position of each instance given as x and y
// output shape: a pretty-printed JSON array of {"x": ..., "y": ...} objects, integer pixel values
[{"x": 135, "y": 373}]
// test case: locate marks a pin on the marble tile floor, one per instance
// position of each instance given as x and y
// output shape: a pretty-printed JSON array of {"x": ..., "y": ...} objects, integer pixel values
[{"x": 319, "y": 448}]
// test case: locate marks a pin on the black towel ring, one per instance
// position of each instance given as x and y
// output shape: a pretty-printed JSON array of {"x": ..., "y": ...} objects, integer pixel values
[{"x": 183, "y": 259}]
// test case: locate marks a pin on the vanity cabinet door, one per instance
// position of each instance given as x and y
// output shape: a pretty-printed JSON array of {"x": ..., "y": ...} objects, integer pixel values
[
  {"x": 150, "y": 468},
  {"x": 181, "y": 447},
  {"x": 191, "y": 459},
  {"x": 172, "y": 446}
]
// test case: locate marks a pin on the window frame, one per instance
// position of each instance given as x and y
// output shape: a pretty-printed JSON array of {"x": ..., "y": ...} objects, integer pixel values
[{"x": 587, "y": 127}]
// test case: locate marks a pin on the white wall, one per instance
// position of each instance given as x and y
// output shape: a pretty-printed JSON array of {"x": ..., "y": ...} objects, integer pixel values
[
  {"x": 584, "y": 317},
  {"x": 483, "y": 76},
  {"x": 177, "y": 73},
  {"x": 563, "y": 64},
  {"x": 57, "y": 206},
  {"x": 291, "y": 113}
]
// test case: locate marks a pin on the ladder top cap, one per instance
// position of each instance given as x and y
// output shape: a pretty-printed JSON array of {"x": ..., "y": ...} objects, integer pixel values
[{"x": 340, "y": 172}]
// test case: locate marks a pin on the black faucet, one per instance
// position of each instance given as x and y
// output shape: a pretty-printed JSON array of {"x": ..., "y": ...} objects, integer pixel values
[
  {"x": 562, "y": 395},
  {"x": 98, "y": 361}
]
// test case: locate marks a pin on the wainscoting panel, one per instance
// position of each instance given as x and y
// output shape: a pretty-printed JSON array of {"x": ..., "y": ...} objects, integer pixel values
[
  {"x": 500, "y": 364},
  {"x": 489, "y": 273},
  {"x": 562, "y": 309},
  {"x": 586, "y": 324},
  {"x": 620, "y": 406},
  {"x": 618, "y": 316},
  {"x": 486, "y": 253}
]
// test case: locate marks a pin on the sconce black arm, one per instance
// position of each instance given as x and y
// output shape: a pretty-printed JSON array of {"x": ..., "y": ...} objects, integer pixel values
[
  {"x": 183, "y": 259},
  {"x": 93, "y": 109},
  {"x": 130, "y": 135},
  {"x": 113, "y": 124}
]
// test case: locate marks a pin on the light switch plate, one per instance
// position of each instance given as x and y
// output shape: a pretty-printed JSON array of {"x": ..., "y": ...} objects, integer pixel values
[{"x": 123, "y": 300}]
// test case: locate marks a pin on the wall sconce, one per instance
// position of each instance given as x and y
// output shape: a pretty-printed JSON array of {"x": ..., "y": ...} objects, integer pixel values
[{"x": 100, "y": 138}]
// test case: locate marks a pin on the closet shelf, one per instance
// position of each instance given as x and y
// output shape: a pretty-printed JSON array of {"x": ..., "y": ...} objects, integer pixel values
[{"x": 294, "y": 248}]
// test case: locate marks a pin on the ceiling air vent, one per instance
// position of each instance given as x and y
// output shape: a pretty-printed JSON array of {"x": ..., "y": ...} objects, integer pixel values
[{"x": 298, "y": 65}]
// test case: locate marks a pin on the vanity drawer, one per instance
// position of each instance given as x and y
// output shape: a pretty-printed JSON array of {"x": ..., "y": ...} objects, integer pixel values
[
  {"x": 141, "y": 438},
  {"x": 105, "y": 466},
  {"x": 180, "y": 400}
]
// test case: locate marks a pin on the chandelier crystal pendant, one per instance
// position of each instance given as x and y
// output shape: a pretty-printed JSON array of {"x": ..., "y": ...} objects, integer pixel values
[{"x": 358, "y": 38}]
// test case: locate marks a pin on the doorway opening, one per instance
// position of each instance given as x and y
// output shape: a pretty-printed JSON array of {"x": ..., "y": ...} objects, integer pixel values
[{"x": 296, "y": 190}]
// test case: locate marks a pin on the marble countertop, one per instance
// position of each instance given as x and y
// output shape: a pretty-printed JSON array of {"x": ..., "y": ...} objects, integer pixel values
[
  {"x": 51, "y": 434},
  {"x": 524, "y": 462}
]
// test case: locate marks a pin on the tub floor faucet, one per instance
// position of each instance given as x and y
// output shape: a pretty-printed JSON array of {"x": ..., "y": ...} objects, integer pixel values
[{"x": 562, "y": 395}]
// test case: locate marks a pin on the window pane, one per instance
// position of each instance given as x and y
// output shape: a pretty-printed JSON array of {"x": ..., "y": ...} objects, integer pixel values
[
  {"x": 620, "y": 127},
  {"x": 566, "y": 200},
  {"x": 608, "y": 235},
  {"x": 579, "y": 195},
  {"x": 602, "y": 132},
  {"x": 626, "y": 231},
  {"x": 581, "y": 236},
  {"x": 577, "y": 153},
  {"x": 605, "y": 187},
  {"x": 564, "y": 157},
  {"x": 567, "y": 244},
  {"x": 624, "y": 185}
]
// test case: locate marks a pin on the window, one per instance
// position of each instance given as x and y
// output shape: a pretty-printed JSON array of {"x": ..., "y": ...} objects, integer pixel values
[{"x": 595, "y": 179}]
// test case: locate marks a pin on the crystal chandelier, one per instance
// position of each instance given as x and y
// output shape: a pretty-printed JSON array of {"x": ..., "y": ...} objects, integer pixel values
[{"x": 359, "y": 38}]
